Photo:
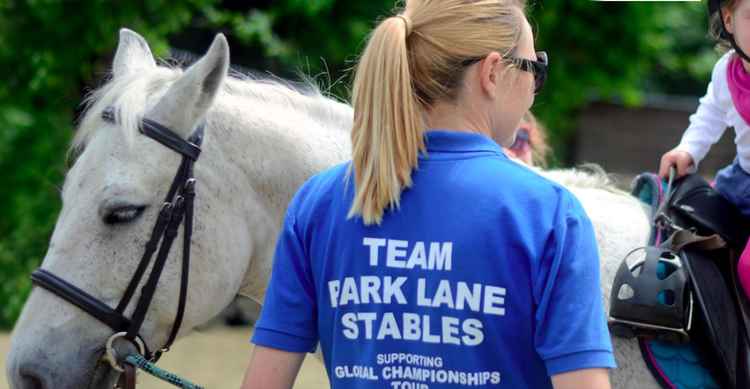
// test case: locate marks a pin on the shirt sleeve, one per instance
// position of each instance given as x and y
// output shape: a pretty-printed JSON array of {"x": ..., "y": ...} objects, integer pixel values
[
  {"x": 288, "y": 319},
  {"x": 570, "y": 330},
  {"x": 708, "y": 123}
]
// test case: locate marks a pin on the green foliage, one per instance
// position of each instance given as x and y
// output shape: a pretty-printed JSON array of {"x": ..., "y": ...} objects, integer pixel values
[
  {"x": 312, "y": 38},
  {"x": 617, "y": 51},
  {"x": 683, "y": 65},
  {"x": 51, "y": 50},
  {"x": 597, "y": 49}
]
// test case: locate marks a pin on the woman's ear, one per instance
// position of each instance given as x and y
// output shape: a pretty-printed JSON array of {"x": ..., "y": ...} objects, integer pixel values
[{"x": 490, "y": 70}]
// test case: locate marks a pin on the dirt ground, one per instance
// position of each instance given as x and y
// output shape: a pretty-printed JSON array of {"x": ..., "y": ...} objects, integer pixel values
[{"x": 214, "y": 358}]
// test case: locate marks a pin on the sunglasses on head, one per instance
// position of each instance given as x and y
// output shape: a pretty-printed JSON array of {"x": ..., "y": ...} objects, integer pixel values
[{"x": 538, "y": 68}]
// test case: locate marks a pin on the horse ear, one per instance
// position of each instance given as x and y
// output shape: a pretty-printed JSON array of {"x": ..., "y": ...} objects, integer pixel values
[
  {"x": 190, "y": 97},
  {"x": 133, "y": 54}
]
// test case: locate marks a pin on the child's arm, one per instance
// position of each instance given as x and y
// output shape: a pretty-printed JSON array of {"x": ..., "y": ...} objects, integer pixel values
[{"x": 707, "y": 124}]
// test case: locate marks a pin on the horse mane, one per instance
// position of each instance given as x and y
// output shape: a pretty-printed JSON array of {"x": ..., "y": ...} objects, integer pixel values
[
  {"x": 132, "y": 94},
  {"x": 585, "y": 176}
]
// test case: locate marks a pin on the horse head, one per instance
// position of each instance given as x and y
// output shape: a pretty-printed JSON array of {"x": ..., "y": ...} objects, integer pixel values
[{"x": 112, "y": 196}]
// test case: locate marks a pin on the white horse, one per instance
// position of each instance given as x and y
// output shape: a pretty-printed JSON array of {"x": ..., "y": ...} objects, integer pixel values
[{"x": 262, "y": 140}]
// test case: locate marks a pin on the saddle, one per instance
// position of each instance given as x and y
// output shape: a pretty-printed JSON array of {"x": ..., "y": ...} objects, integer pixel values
[
  {"x": 707, "y": 306},
  {"x": 723, "y": 322},
  {"x": 694, "y": 203}
]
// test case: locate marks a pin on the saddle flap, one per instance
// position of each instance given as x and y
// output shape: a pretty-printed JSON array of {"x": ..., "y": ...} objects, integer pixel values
[{"x": 717, "y": 324}]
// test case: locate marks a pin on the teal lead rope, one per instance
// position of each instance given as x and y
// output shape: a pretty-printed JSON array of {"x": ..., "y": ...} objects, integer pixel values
[{"x": 138, "y": 361}]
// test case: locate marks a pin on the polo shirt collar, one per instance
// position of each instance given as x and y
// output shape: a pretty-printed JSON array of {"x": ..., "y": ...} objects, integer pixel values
[{"x": 458, "y": 141}]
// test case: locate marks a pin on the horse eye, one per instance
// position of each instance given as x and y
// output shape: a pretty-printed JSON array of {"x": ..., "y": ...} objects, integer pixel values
[{"x": 124, "y": 214}]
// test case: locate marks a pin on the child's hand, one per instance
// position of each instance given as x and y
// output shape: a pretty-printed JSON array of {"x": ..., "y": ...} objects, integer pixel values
[{"x": 680, "y": 159}]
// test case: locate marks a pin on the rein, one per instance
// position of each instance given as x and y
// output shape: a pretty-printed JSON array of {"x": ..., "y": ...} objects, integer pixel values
[
  {"x": 133, "y": 361},
  {"x": 176, "y": 209}
]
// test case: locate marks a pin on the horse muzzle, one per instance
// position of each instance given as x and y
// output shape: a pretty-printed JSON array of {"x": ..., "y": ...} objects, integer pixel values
[{"x": 67, "y": 355}]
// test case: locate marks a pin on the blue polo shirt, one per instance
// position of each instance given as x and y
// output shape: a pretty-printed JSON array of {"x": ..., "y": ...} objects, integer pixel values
[{"x": 486, "y": 276}]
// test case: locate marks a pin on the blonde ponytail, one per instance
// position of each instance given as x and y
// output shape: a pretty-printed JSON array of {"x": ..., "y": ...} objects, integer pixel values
[
  {"x": 387, "y": 130},
  {"x": 411, "y": 61}
]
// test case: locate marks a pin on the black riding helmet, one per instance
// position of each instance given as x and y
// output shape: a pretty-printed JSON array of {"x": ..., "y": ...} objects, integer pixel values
[{"x": 714, "y": 6}]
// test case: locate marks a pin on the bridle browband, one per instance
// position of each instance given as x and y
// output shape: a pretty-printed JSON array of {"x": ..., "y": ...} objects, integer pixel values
[{"x": 177, "y": 207}]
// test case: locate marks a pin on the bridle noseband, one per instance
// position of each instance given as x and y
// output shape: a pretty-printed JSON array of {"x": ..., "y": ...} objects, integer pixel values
[{"x": 177, "y": 207}]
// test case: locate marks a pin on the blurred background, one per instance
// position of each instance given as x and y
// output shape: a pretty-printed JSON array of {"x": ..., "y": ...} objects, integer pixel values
[{"x": 624, "y": 78}]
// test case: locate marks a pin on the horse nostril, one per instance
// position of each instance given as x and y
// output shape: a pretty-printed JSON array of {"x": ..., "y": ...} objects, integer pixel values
[{"x": 30, "y": 380}]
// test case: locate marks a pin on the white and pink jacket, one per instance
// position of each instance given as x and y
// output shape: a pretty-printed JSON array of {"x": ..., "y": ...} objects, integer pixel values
[{"x": 717, "y": 111}]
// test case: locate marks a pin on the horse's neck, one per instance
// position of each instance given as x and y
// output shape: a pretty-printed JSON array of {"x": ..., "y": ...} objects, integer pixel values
[{"x": 260, "y": 154}]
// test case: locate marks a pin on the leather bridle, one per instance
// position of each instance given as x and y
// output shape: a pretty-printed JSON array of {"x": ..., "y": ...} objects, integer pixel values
[{"x": 177, "y": 207}]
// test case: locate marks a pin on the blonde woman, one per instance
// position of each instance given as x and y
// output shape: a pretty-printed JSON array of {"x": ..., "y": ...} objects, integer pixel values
[{"x": 432, "y": 260}]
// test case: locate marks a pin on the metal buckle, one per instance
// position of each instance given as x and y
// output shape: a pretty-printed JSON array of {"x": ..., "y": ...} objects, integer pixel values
[
  {"x": 111, "y": 355},
  {"x": 662, "y": 221}
]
